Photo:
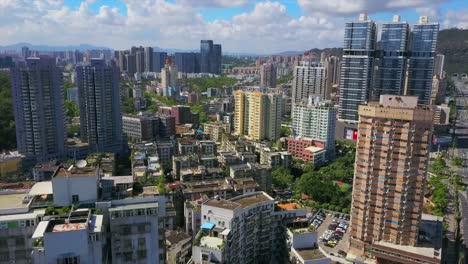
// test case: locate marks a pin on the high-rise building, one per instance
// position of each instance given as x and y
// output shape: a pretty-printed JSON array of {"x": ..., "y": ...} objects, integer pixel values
[
  {"x": 315, "y": 120},
  {"x": 391, "y": 64},
  {"x": 268, "y": 75},
  {"x": 217, "y": 59},
  {"x": 422, "y": 58},
  {"x": 392, "y": 155},
  {"x": 257, "y": 115},
  {"x": 439, "y": 65},
  {"x": 100, "y": 115},
  {"x": 332, "y": 66},
  {"x": 140, "y": 61},
  {"x": 309, "y": 80},
  {"x": 159, "y": 59},
  {"x": 210, "y": 57},
  {"x": 130, "y": 60},
  {"x": 186, "y": 62},
  {"x": 169, "y": 76},
  {"x": 148, "y": 59},
  {"x": 206, "y": 51},
  {"x": 356, "y": 68},
  {"x": 39, "y": 108},
  {"x": 25, "y": 52}
]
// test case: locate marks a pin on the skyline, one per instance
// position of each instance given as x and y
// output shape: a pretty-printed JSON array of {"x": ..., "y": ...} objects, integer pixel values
[{"x": 240, "y": 25}]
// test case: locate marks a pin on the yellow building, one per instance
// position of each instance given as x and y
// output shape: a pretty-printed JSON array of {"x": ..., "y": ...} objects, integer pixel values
[
  {"x": 257, "y": 115},
  {"x": 10, "y": 164}
]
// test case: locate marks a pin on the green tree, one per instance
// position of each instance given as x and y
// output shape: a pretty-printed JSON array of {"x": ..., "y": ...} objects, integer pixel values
[
  {"x": 7, "y": 120},
  {"x": 71, "y": 109},
  {"x": 457, "y": 162},
  {"x": 281, "y": 177}
]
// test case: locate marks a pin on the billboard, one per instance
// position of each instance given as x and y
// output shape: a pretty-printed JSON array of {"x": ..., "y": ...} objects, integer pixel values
[{"x": 350, "y": 133}]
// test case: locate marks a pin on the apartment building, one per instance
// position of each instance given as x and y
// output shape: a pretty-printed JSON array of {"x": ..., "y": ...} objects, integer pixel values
[
  {"x": 137, "y": 229},
  {"x": 257, "y": 115},
  {"x": 316, "y": 120},
  {"x": 245, "y": 229},
  {"x": 77, "y": 238},
  {"x": 392, "y": 154}
]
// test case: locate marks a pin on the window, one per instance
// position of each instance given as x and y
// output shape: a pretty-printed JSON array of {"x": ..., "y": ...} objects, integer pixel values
[{"x": 69, "y": 260}]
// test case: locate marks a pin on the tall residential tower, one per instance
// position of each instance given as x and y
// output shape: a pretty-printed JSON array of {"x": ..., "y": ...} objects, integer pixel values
[
  {"x": 357, "y": 65},
  {"x": 257, "y": 115},
  {"x": 392, "y": 155},
  {"x": 39, "y": 109},
  {"x": 100, "y": 115}
]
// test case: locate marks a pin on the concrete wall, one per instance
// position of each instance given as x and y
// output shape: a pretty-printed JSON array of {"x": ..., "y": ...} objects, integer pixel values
[{"x": 64, "y": 188}]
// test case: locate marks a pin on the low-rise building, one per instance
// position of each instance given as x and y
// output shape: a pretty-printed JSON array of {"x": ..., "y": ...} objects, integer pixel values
[
  {"x": 261, "y": 173},
  {"x": 216, "y": 130},
  {"x": 10, "y": 163},
  {"x": 178, "y": 247},
  {"x": 244, "y": 228},
  {"x": 74, "y": 186},
  {"x": 275, "y": 158},
  {"x": 307, "y": 149}
]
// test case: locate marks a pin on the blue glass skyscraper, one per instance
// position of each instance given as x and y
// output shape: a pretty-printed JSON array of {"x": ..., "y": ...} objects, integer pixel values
[
  {"x": 391, "y": 59},
  {"x": 357, "y": 66},
  {"x": 421, "y": 61}
]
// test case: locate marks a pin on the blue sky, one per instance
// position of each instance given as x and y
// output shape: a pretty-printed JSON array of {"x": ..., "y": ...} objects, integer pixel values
[{"x": 239, "y": 25}]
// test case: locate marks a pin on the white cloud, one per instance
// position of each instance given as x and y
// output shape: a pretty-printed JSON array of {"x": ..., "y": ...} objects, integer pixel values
[
  {"x": 267, "y": 27},
  {"x": 346, "y": 7},
  {"x": 214, "y": 3},
  {"x": 457, "y": 19}
]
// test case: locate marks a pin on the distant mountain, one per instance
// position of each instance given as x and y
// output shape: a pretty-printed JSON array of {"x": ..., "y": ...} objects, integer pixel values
[
  {"x": 81, "y": 47},
  {"x": 289, "y": 53},
  {"x": 453, "y": 43},
  {"x": 338, "y": 52}
]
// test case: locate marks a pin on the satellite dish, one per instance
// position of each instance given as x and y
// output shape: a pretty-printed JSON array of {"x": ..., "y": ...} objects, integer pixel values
[{"x": 81, "y": 163}]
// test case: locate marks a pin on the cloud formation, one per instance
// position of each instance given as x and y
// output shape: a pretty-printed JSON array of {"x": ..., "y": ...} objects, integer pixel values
[{"x": 262, "y": 27}]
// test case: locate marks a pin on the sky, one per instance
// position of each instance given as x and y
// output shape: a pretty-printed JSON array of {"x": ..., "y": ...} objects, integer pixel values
[{"x": 255, "y": 26}]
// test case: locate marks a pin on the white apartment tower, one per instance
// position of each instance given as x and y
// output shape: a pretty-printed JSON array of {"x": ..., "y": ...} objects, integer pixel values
[
  {"x": 309, "y": 80},
  {"x": 315, "y": 120}
]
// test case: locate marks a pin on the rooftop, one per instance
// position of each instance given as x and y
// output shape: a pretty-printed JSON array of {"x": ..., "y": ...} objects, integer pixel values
[
  {"x": 310, "y": 253},
  {"x": 221, "y": 203},
  {"x": 74, "y": 171},
  {"x": 11, "y": 201},
  {"x": 40, "y": 188},
  {"x": 175, "y": 237},
  {"x": 211, "y": 242},
  {"x": 314, "y": 149},
  {"x": 68, "y": 227},
  {"x": 251, "y": 199},
  {"x": 423, "y": 251},
  {"x": 289, "y": 206}
]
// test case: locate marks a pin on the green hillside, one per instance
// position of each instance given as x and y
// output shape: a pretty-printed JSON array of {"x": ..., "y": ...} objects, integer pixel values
[{"x": 453, "y": 43}]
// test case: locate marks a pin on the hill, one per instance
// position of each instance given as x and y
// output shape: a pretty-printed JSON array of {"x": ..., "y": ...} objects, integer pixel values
[{"x": 453, "y": 43}]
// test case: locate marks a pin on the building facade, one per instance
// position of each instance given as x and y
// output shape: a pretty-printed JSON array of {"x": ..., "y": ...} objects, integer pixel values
[
  {"x": 100, "y": 114},
  {"x": 268, "y": 75},
  {"x": 309, "y": 80},
  {"x": 38, "y": 103},
  {"x": 356, "y": 67},
  {"x": 392, "y": 154},
  {"x": 316, "y": 121},
  {"x": 257, "y": 115}
]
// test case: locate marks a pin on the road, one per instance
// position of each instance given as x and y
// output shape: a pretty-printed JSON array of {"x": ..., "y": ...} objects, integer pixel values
[{"x": 461, "y": 129}]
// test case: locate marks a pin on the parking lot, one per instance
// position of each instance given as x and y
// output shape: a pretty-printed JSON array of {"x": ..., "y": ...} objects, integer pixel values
[{"x": 333, "y": 232}]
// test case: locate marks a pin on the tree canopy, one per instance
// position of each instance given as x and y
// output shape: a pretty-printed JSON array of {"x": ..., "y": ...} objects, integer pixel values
[{"x": 7, "y": 121}]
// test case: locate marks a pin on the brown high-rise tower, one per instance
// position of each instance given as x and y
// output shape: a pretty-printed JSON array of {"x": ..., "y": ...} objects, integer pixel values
[{"x": 390, "y": 172}]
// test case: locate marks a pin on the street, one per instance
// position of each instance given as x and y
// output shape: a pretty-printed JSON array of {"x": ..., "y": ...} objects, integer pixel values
[{"x": 461, "y": 129}]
